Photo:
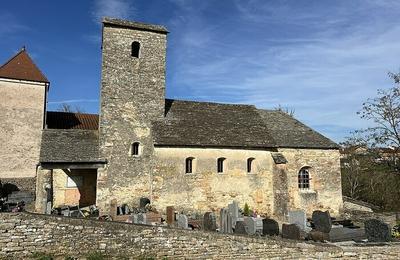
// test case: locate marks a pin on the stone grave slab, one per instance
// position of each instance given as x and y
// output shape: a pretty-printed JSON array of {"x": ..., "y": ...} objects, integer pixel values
[
  {"x": 234, "y": 211},
  {"x": 183, "y": 221},
  {"x": 377, "y": 231},
  {"x": 254, "y": 225},
  {"x": 170, "y": 215},
  {"x": 241, "y": 228},
  {"x": 225, "y": 221},
  {"x": 298, "y": 217},
  {"x": 341, "y": 234},
  {"x": 291, "y": 231},
  {"x": 270, "y": 227},
  {"x": 322, "y": 221},
  {"x": 209, "y": 222}
]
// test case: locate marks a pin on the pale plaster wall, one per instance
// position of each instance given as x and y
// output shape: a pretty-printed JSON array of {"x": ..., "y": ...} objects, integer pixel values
[
  {"x": 82, "y": 195},
  {"x": 325, "y": 191},
  {"x": 21, "y": 123},
  {"x": 205, "y": 189}
]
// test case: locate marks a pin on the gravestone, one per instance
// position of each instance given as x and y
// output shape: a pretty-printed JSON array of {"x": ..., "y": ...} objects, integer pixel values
[
  {"x": 153, "y": 218},
  {"x": 209, "y": 221},
  {"x": 183, "y": 221},
  {"x": 298, "y": 217},
  {"x": 234, "y": 211},
  {"x": 341, "y": 234},
  {"x": 143, "y": 202},
  {"x": 377, "y": 231},
  {"x": 170, "y": 215},
  {"x": 291, "y": 231},
  {"x": 254, "y": 225},
  {"x": 225, "y": 221},
  {"x": 240, "y": 228},
  {"x": 140, "y": 218},
  {"x": 270, "y": 227},
  {"x": 322, "y": 221},
  {"x": 113, "y": 208}
]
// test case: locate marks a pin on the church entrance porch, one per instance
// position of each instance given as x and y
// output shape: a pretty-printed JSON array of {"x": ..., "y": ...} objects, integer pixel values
[{"x": 60, "y": 185}]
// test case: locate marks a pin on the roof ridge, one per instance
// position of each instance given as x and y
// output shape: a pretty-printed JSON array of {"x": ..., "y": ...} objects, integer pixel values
[
  {"x": 22, "y": 67},
  {"x": 13, "y": 57},
  {"x": 73, "y": 113},
  {"x": 210, "y": 102}
]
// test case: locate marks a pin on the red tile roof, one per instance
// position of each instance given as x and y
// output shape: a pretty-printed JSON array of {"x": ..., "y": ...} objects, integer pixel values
[
  {"x": 67, "y": 120},
  {"x": 22, "y": 67}
]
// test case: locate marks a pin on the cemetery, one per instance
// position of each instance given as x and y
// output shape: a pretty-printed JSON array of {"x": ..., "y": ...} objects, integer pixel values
[
  {"x": 233, "y": 232},
  {"x": 233, "y": 219}
]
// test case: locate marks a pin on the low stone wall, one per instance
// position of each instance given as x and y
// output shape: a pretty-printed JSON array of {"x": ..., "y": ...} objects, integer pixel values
[{"x": 24, "y": 233}]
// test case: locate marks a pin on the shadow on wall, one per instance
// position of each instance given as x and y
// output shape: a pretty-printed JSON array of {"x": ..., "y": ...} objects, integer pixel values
[
  {"x": 81, "y": 187},
  {"x": 7, "y": 188}
]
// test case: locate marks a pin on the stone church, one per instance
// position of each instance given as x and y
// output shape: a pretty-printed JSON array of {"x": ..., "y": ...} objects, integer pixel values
[{"x": 197, "y": 156}]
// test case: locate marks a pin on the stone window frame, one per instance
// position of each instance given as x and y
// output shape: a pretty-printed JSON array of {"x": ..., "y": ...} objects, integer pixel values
[
  {"x": 190, "y": 163},
  {"x": 221, "y": 166},
  {"x": 249, "y": 165},
  {"x": 136, "y": 47},
  {"x": 304, "y": 178},
  {"x": 135, "y": 151}
]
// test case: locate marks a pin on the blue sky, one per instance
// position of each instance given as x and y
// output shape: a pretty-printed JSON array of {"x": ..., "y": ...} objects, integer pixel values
[{"x": 321, "y": 58}]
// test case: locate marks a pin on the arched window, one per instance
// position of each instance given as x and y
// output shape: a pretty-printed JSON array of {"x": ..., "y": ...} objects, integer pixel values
[
  {"x": 249, "y": 164},
  {"x": 220, "y": 165},
  {"x": 135, "y": 51},
  {"x": 135, "y": 149},
  {"x": 304, "y": 178},
  {"x": 189, "y": 165}
]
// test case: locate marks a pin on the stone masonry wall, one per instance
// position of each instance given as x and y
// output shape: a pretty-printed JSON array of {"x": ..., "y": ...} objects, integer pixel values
[
  {"x": 205, "y": 189},
  {"x": 21, "y": 117},
  {"x": 325, "y": 191},
  {"x": 21, "y": 234},
  {"x": 132, "y": 96}
]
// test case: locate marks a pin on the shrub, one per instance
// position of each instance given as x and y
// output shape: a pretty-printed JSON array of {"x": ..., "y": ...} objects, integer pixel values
[{"x": 246, "y": 210}]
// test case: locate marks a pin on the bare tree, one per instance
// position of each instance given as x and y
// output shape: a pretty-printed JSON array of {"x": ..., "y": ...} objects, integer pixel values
[
  {"x": 286, "y": 110},
  {"x": 384, "y": 112},
  {"x": 64, "y": 107}
]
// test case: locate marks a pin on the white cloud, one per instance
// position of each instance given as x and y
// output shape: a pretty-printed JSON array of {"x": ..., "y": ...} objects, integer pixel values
[
  {"x": 73, "y": 101},
  {"x": 324, "y": 72},
  {"x": 122, "y": 9},
  {"x": 9, "y": 25}
]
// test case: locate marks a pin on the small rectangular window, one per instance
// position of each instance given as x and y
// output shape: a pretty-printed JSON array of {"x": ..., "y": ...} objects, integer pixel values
[
  {"x": 220, "y": 165},
  {"x": 189, "y": 165}
]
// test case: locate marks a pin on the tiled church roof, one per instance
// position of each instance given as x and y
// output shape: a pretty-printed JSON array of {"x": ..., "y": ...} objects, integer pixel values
[
  {"x": 73, "y": 136},
  {"x": 67, "y": 120},
  {"x": 289, "y": 132},
  {"x": 22, "y": 67},
  {"x": 69, "y": 145},
  {"x": 189, "y": 123}
]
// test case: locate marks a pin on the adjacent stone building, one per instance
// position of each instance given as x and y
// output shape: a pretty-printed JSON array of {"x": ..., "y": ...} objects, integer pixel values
[{"x": 197, "y": 156}]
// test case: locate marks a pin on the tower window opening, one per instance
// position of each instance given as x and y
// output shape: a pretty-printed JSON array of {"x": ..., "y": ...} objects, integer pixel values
[
  {"x": 135, "y": 149},
  {"x": 135, "y": 49}
]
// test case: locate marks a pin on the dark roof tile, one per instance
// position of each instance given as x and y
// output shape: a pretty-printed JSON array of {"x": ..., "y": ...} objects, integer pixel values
[
  {"x": 67, "y": 120},
  {"x": 291, "y": 133},
  {"x": 69, "y": 145},
  {"x": 189, "y": 123}
]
